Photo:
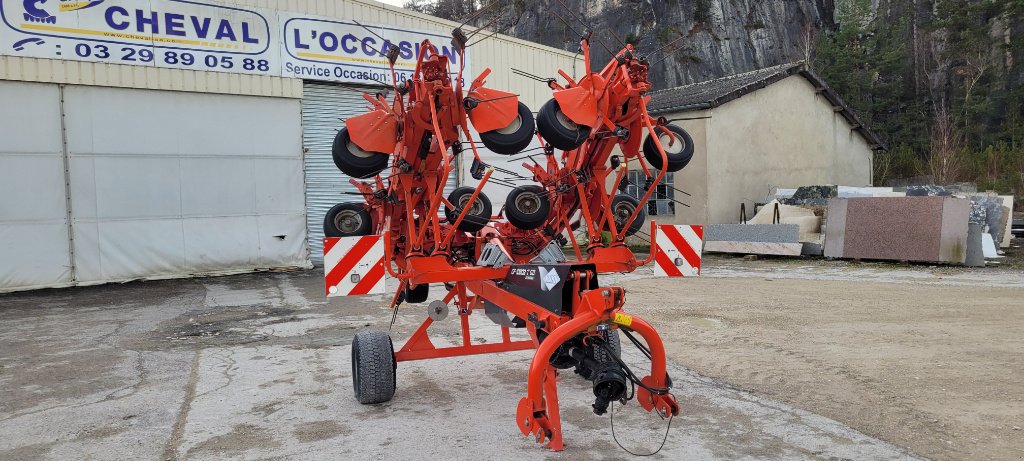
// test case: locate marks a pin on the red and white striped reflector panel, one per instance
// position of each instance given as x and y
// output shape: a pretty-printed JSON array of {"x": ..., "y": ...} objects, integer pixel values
[
  {"x": 354, "y": 265},
  {"x": 678, "y": 250}
]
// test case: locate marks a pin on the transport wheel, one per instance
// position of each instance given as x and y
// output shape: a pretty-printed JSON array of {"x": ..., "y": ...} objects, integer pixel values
[
  {"x": 679, "y": 153},
  {"x": 527, "y": 207},
  {"x": 418, "y": 294},
  {"x": 479, "y": 212},
  {"x": 558, "y": 130},
  {"x": 373, "y": 367},
  {"x": 347, "y": 220},
  {"x": 513, "y": 138},
  {"x": 353, "y": 161},
  {"x": 622, "y": 208}
]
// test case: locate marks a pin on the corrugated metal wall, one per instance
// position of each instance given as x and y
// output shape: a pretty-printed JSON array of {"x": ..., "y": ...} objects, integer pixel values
[{"x": 325, "y": 106}]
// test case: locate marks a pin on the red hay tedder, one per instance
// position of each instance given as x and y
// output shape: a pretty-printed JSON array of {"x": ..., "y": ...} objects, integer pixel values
[{"x": 510, "y": 264}]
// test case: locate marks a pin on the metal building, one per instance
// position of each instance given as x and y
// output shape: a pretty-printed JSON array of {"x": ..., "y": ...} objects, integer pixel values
[{"x": 171, "y": 138}]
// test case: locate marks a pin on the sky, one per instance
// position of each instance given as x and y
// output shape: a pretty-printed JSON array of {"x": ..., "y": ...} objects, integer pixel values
[{"x": 397, "y": 3}]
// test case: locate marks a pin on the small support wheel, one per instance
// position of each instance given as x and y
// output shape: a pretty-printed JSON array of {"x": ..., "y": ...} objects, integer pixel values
[
  {"x": 347, "y": 220},
  {"x": 623, "y": 207},
  {"x": 558, "y": 130},
  {"x": 527, "y": 207},
  {"x": 373, "y": 367},
  {"x": 353, "y": 160},
  {"x": 479, "y": 214},
  {"x": 678, "y": 154},
  {"x": 513, "y": 138}
]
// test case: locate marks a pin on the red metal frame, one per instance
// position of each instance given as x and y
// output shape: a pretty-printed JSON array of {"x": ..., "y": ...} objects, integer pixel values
[{"x": 421, "y": 131}]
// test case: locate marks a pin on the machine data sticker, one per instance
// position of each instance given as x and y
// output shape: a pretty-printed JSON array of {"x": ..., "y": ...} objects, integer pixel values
[
  {"x": 623, "y": 319},
  {"x": 176, "y": 34}
]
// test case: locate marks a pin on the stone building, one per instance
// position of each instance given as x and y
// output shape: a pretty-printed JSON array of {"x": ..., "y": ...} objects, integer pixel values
[{"x": 778, "y": 127}]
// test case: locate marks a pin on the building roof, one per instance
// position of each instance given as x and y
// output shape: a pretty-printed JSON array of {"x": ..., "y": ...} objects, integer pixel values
[{"x": 713, "y": 93}]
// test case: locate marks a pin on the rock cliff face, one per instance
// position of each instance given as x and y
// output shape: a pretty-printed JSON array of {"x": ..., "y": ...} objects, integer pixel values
[{"x": 705, "y": 38}]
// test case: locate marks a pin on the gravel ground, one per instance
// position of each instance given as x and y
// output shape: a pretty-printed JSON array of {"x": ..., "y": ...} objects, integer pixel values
[
  {"x": 928, "y": 357},
  {"x": 257, "y": 367}
]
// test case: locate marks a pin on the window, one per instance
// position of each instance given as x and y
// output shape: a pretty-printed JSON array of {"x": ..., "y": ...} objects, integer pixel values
[{"x": 662, "y": 201}]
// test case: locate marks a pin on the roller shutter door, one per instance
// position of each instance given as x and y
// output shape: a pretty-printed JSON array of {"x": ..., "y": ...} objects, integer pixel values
[{"x": 325, "y": 106}]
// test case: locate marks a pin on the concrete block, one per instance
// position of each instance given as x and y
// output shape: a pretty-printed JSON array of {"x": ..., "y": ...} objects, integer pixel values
[
  {"x": 926, "y": 229},
  {"x": 754, "y": 248},
  {"x": 768, "y": 233}
]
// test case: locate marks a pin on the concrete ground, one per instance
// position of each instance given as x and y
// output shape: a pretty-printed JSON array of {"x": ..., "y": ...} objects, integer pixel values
[{"x": 257, "y": 367}]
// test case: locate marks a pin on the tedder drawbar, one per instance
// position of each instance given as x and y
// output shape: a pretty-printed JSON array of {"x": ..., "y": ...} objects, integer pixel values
[{"x": 510, "y": 265}]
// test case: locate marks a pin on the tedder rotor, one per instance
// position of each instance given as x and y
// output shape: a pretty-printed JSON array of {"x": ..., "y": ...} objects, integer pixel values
[{"x": 508, "y": 264}]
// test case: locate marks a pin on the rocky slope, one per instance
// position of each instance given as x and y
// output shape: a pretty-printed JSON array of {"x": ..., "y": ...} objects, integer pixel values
[{"x": 704, "y": 38}]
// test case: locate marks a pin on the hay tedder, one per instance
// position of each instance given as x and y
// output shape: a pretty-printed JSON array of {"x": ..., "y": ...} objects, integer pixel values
[{"x": 508, "y": 265}]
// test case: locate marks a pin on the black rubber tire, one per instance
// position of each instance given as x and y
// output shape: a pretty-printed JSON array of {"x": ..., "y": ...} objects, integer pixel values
[
  {"x": 514, "y": 138},
  {"x": 353, "y": 161},
  {"x": 679, "y": 155},
  {"x": 479, "y": 214},
  {"x": 558, "y": 130},
  {"x": 336, "y": 224},
  {"x": 373, "y": 367},
  {"x": 418, "y": 294},
  {"x": 622, "y": 208},
  {"x": 527, "y": 207}
]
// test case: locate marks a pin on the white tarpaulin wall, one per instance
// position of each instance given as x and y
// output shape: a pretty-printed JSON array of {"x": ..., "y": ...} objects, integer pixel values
[
  {"x": 165, "y": 183},
  {"x": 162, "y": 184},
  {"x": 34, "y": 246}
]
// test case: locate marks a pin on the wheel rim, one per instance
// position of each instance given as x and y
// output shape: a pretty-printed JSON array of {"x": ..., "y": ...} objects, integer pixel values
[
  {"x": 356, "y": 151},
  {"x": 512, "y": 127},
  {"x": 623, "y": 211},
  {"x": 348, "y": 221},
  {"x": 565, "y": 121},
  {"x": 676, "y": 147},
  {"x": 475, "y": 210},
  {"x": 528, "y": 203}
]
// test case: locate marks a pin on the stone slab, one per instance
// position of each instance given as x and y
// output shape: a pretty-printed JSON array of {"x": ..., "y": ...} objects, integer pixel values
[
  {"x": 812, "y": 249},
  {"x": 766, "y": 214},
  {"x": 988, "y": 209},
  {"x": 920, "y": 228},
  {"x": 767, "y": 233},
  {"x": 953, "y": 234},
  {"x": 812, "y": 195},
  {"x": 988, "y": 246},
  {"x": 1008, "y": 229},
  {"x": 754, "y": 248},
  {"x": 834, "y": 228},
  {"x": 975, "y": 253}
]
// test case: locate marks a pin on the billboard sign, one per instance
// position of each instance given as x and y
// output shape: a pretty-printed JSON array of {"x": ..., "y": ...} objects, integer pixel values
[
  {"x": 177, "y": 34},
  {"x": 345, "y": 51},
  {"x": 196, "y": 35}
]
